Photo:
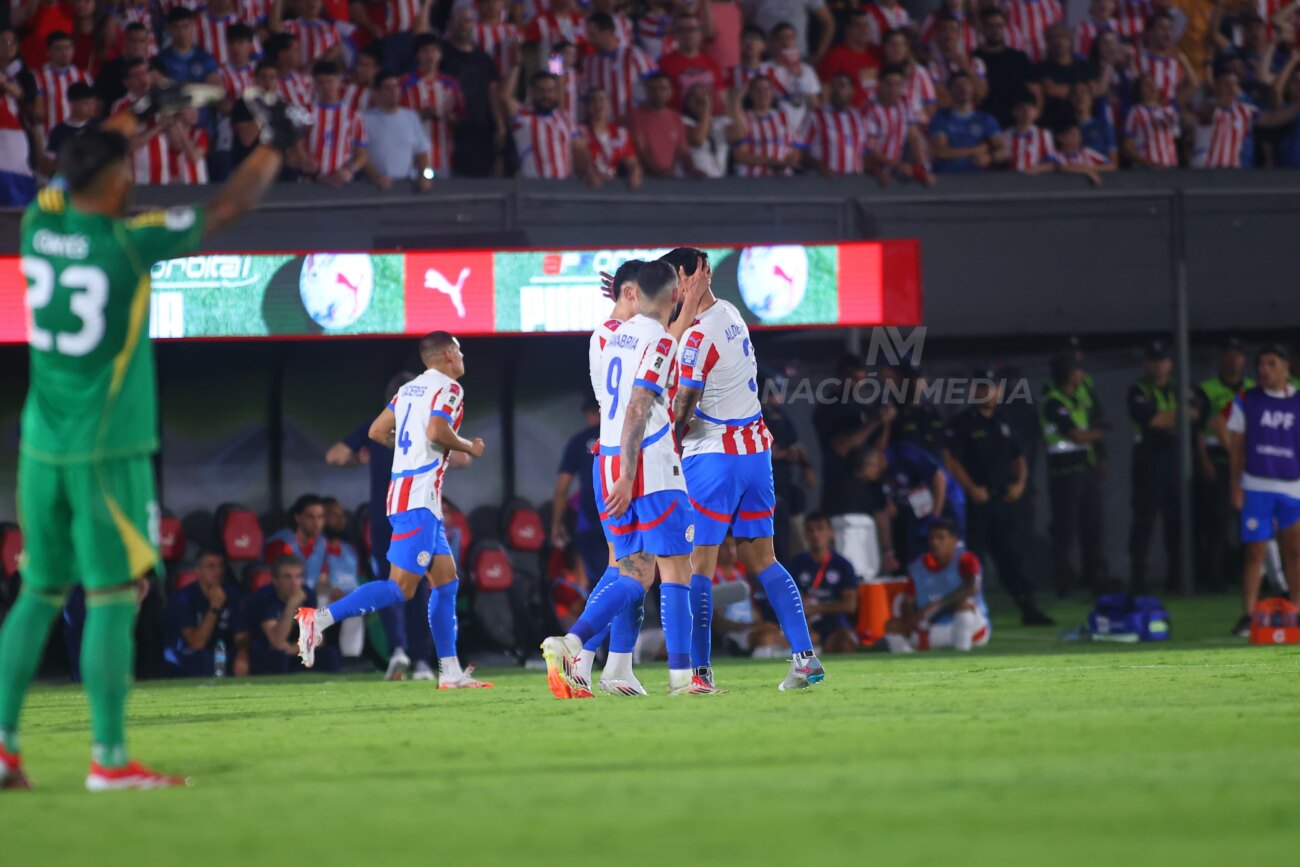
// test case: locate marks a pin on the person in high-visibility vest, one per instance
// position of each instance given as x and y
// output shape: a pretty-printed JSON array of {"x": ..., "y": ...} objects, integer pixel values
[
  {"x": 1073, "y": 484},
  {"x": 1217, "y": 538},
  {"x": 1153, "y": 409}
]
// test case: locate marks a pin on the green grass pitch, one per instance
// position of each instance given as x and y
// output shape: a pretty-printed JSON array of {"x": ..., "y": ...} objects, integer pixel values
[{"x": 1028, "y": 752}]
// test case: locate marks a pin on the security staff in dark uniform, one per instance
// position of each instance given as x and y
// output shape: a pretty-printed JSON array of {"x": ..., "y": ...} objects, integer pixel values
[
  {"x": 918, "y": 421},
  {"x": 1073, "y": 484},
  {"x": 1153, "y": 409},
  {"x": 986, "y": 458},
  {"x": 1217, "y": 541}
]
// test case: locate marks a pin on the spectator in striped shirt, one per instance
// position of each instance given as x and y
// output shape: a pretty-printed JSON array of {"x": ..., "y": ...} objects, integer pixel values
[
  {"x": 654, "y": 28},
  {"x": 399, "y": 144},
  {"x": 764, "y": 142},
  {"x": 896, "y": 148},
  {"x": 1028, "y": 145},
  {"x": 615, "y": 70},
  {"x": 282, "y": 51},
  {"x": 184, "y": 60},
  {"x": 188, "y": 147},
  {"x": 753, "y": 51},
  {"x": 318, "y": 37},
  {"x": 962, "y": 138},
  {"x": 957, "y": 11},
  {"x": 54, "y": 79},
  {"x": 608, "y": 144},
  {"x": 1151, "y": 128},
  {"x": 563, "y": 23},
  {"x": 948, "y": 55},
  {"x": 659, "y": 133},
  {"x": 1168, "y": 68},
  {"x": 546, "y": 143},
  {"x": 1074, "y": 157},
  {"x": 497, "y": 35},
  {"x": 213, "y": 26},
  {"x": 1232, "y": 123},
  {"x": 1101, "y": 18},
  {"x": 437, "y": 99},
  {"x": 360, "y": 86},
  {"x": 797, "y": 87},
  {"x": 835, "y": 135},
  {"x": 336, "y": 144},
  {"x": 1028, "y": 22},
  {"x": 918, "y": 87},
  {"x": 81, "y": 116},
  {"x": 136, "y": 81}
]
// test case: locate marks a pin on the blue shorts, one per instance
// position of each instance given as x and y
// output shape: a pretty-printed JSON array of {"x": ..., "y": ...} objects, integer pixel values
[
  {"x": 1263, "y": 511},
  {"x": 418, "y": 537},
  {"x": 731, "y": 491},
  {"x": 662, "y": 523}
]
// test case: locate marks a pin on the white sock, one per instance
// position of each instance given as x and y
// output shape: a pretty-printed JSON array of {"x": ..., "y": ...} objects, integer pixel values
[
  {"x": 619, "y": 666},
  {"x": 585, "y": 660},
  {"x": 898, "y": 644},
  {"x": 964, "y": 625},
  {"x": 324, "y": 620},
  {"x": 678, "y": 677},
  {"x": 450, "y": 669}
]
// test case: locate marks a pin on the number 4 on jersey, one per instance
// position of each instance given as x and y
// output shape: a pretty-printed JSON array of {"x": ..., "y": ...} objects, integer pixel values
[{"x": 404, "y": 438}]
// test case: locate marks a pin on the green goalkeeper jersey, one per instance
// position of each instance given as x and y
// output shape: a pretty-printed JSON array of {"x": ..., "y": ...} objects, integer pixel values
[{"x": 93, "y": 394}]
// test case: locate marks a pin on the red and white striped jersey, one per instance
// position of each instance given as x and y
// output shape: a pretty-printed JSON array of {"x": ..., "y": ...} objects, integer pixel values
[
  {"x": 941, "y": 69},
  {"x": 356, "y": 97},
  {"x": 52, "y": 84},
  {"x": 569, "y": 96},
  {"x": 1084, "y": 156},
  {"x": 837, "y": 138},
  {"x": 1166, "y": 72},
  {"x": 122, "y": 103},
  {"x": 1131, "y": 19},
  {"x": 887, "y": 127},
  {"x": 134, "y": 14},
  {"x": 1086, "y": 32},
  {"x": 931, "y": 24},
  {"x": 770, "y": 135},
  {"x": 1228, "y": 132},
  {"x": 336, "y": 132},
  {"x": 315, "y": 37},
  {"x": 654, "y": 34},
  {"x": 717, "y": 358},
  {"x": 1027, "y": 23},
  {"x": 919, "y": 94},
  {"x": 596, "y": 346},
  {"x": 212, "y": 35},
  {"x": 533, "y": 8},
  {"x": 151, "y": 163},
  {"x": 400, "y": 16},
  {"x": 608, "y": 147},
  {"x": 296, "y": 88},
  {"x": 619, "y": 75},
  {"x": 442, "y": 95},
  {"x": 543, "y": 143},
  {"x": 550, "y": 29},
  {"x": 254, "y": 12},
  {"x": 189, "y": 171},
  {"x": 640, "y": 354},
  {"x": 1028, "y": 148},
  {"x": 192, "y": 5},
  {"x": 499, "y": 41},
  {"x": 14, "y": 146},
  {"x": 235, "y": 81},
  {"x": 1154, "y": 130},
  {"x": 624, "y": 30},
  {"x": 418, "y": 463},
  {"x": 884, "y": 19},
  {"x": 738, "y": 77}
]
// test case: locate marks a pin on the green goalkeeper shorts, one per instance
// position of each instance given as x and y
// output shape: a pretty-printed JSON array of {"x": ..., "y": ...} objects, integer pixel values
[{"x": 92, "y": 523}]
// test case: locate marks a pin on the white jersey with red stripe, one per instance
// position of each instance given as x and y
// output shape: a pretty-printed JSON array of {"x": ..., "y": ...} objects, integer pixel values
[
  {"x": 1154, "y": 130},
  {"x": 837, "y": 139},
  {"x": 499, "y": 40},
  {"x": 141, "y": 14},
  {"x": 316, "y": 36},
  {"x": 337, "y": 132},
  {"x": 185, "y": 170},
  {"x": 595, "y": 347},
  {"x": 543, "y": 143},
  {"x": 1028, "y": 148},
  {"x": 1087, "y": 31},
  {"x": 437, "y": 99},
  {"x": 296, "y": 89},
  {"x": 235, "y": 80},
  {"x": 718, "y": 358},
  {"x": 212, "y": 35},
  {"x": 1167, "y": 73},
  {"x": 619, "y": 74},
  {"x": 654, "y": 34},
  {"x": 151, "y": 162},
  {"x": 769, "y": 135},
  {"x": 1229, "y": 130},
  {"x": 885, "y": 18},
  {"x": 401, "y": 16},
  {"x": 887, "y": 127},
  {"x": 1027, "y": 24},
  {"x": 640, "y": 354},
  {"x": 418, "y": 464}
]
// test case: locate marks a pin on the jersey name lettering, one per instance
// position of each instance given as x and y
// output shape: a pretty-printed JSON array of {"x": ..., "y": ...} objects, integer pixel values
[{"x": 63, "y": 246}]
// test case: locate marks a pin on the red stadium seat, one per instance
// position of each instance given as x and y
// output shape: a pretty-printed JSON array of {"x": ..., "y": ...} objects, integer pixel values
[
  {"x": 456, "y": 520},
  {"x": 11, "y": 548},
  {"x": 260, "y": 578},
  {"x": 491, "y": 569},
  {"x": 171, "y": 539},
  {"x": 523, "y": 528},
  {"x": 185, "y": 578},
  {"x": 241, "y": 536}
]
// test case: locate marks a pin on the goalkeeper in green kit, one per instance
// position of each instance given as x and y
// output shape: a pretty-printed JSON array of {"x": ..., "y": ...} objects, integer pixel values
[{"x": 86, "y": 498}]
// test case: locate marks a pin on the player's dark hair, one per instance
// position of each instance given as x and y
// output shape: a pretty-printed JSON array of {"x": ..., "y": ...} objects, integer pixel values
[
  {"x": 277, "y": 45},
  {"x": 239, "y": 33},
  {"x": 179, "y": 14},
  {"x": 80, "y": 90},
  {"x": 434, "y": 343},
  {"x": 324, "y": 67},
  {"x": 626, "y": 273},
  {"x": 85, "y": 157},
  {"x": 396, "y": 382},
  {"x": 893, "y": 69},
  {"x": 602, "y": 21},
  {"x": 685, "y": 258},
  {"x": 303, "y": 503},
  {"x": 425, "y": 39},
  {"x": 57, "y": 36},
  {"x": 655, "y": 278},
  {"x": 285, "y": 562}
]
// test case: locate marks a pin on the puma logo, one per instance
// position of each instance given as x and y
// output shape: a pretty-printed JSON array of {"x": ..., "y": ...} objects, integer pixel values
[{"x": 433, "y": 279}]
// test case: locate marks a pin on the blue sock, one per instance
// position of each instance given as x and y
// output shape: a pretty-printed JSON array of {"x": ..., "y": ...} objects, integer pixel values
[
  {"x": 783, "y": 596},
  {"x": 442, "y": 618},
  {"x": 701, "y": 621},
  {"x": 627, "y": 627},
  {"x": 368, "y": 597},
  {"x": 611, "y": 575},
  {"x": 675, "y": 616},
  {"x": 602, "y": 606}
]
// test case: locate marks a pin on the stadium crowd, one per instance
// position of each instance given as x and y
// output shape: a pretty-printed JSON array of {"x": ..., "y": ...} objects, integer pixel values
[{"x": 663, "y": 88}]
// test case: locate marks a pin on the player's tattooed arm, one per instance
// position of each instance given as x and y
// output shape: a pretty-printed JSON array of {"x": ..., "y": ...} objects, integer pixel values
[
  {"x": 684, "y": 408},
  {"x": 384, "y": 427},
  {"x": 638, "y": 413}
]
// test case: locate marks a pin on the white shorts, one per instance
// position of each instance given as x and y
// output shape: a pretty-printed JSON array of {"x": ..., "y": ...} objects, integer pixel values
[{"x": 940, "y": 635}]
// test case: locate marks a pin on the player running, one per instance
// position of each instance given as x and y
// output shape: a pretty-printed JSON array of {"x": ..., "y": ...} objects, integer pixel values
[
  {"x": 421, "y": 425},
  {"x": 86, "y": 496},
  {"x": 646, "y": 509},
  {"x": 727, "y": 459}
]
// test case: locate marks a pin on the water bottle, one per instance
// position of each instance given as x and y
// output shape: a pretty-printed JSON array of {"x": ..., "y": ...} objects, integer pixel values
[{"x": 219, "y": 658}]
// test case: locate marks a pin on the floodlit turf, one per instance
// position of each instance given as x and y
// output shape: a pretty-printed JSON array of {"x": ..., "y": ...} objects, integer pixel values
[{"x": 1029, "y": 752}]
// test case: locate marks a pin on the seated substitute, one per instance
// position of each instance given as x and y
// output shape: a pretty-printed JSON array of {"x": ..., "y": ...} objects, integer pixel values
[
  {"x": 829, "y": 586},
  {"x": 944, "y": 605},
  {"x": 271, "y": 612},
  {"x": 200, "y": 615}
]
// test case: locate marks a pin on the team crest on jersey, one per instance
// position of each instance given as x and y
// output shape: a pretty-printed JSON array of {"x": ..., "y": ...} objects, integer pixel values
[
  {"x": 424, "y": 558},
  {"x": 690, "y": 533}
]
